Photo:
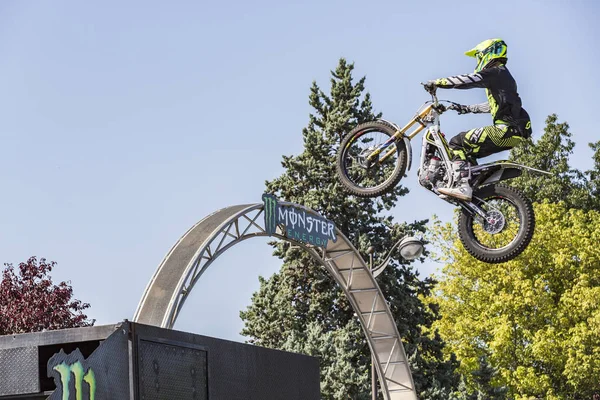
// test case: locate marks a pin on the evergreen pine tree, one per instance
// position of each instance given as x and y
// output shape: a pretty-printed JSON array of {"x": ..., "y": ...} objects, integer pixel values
[
  {"x": 593, "y": 175},
  {"x": 551, "y": 153},
  {"x": 483, "y": 378},
  {"x": 301, "y": 308}
]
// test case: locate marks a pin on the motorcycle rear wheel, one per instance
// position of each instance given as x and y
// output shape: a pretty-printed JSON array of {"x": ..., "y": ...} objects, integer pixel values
[{"x": 508, "y": 229}]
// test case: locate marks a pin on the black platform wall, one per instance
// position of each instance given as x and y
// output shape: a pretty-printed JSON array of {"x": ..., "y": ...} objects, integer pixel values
[{"x": 133, "y": 361}]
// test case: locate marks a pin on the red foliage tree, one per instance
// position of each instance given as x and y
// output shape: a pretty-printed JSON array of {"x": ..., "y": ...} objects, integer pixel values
[{"x": 30, "y": 302}]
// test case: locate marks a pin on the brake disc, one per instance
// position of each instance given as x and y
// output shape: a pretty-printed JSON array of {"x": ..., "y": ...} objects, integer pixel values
[
  {"x": 494, "y": 222},
  {"x": 362, "y": 158}
]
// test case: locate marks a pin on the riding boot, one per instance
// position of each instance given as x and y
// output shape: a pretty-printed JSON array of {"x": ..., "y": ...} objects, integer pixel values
[{"x": 461, "y": 189}]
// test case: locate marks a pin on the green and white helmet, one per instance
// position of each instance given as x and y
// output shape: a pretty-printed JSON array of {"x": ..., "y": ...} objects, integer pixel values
[{"x": 488, "y": 51}]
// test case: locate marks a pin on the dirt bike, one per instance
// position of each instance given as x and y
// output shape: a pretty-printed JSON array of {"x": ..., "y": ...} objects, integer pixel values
[{"x": 494, "y": 227}]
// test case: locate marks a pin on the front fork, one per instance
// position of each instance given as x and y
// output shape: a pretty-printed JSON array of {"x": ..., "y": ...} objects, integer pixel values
[{"x": 400, "y": 133}]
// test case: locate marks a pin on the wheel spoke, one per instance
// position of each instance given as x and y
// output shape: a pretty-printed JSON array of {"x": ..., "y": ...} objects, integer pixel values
[
  {"x": 369, "y": 173},
  {"x": 502, "y": 226}
]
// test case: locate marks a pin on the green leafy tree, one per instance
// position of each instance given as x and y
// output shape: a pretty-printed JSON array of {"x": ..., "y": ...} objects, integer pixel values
[
  {"x": 535, "y": 318},
  {"x": 301, "y": 308},
  {"x": 532, "y": 319}
]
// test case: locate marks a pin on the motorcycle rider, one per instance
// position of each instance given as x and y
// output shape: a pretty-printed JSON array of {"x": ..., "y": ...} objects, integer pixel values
[{"x": 511, "y": 121}]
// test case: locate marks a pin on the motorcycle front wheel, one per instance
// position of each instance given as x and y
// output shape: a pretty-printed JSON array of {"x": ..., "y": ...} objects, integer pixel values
[
  {"x": 364, "y": 175},
  {"x": 507, "y": 229}
]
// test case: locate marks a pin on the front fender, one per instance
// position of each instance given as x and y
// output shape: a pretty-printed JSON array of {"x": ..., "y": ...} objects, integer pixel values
[
  {"x": 406, "y": 144},
  {"x": 408, "y": 153}
]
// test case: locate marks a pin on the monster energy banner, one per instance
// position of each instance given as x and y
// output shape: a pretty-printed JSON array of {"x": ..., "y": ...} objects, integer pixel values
[{"x": 297, "y": 223}]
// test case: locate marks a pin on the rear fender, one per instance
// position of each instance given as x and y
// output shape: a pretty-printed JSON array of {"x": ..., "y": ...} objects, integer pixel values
[
  {"x": 506, "y": 164},
  {"x": 502, "y": 170},
  {"x": 501, "y": 175}
]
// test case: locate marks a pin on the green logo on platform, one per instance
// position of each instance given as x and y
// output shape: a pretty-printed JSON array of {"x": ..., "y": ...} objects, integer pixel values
[
  {"x": 71, "y": 369},
  {"x": 297, "y": 223},
  {"x": 76, "y": 370}
]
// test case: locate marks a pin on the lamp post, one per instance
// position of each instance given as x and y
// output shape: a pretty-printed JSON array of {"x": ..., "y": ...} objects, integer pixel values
[{"x": 410, "y": 249}]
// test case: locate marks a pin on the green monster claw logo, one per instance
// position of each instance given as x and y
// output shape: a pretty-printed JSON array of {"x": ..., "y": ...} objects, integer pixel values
[
  {"x": 270, "y": 213},
  {"x": 297, "y": 223},
  {"x": 73, "y": 374},
  {"x": 77, "y": 371}
]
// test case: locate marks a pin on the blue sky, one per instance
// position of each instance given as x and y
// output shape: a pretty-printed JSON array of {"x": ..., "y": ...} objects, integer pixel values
[{"x": 124, "y": 123}]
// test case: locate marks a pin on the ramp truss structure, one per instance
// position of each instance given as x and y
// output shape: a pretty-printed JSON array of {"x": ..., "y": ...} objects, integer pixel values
[{"x": 195, "y": 251}]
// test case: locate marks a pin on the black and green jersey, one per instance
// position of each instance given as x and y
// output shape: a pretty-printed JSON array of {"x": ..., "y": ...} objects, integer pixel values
[{"x": 501, "y": 90}]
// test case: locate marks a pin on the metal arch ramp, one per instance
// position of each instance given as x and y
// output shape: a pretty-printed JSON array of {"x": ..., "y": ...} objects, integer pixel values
[{"x": 187, "y": 260}]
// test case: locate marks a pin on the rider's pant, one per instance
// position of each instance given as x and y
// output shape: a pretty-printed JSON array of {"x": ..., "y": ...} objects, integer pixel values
[{"x": 482, "y": 142}]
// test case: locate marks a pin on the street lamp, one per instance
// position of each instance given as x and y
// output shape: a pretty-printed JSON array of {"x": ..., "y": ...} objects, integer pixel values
[{"x": 410, "y": 249}]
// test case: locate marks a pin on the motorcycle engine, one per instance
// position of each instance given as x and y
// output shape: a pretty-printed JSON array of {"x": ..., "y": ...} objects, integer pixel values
[{"x": 433, "y": 172}]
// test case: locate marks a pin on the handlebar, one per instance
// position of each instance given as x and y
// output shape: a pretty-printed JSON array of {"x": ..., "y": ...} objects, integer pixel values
[{"x": 440, "y": 108}]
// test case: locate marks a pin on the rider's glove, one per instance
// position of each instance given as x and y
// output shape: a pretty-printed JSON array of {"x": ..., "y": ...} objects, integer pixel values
[
  {"x": 462, "y": 109},
  {"x": 430, "y": 86}
]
